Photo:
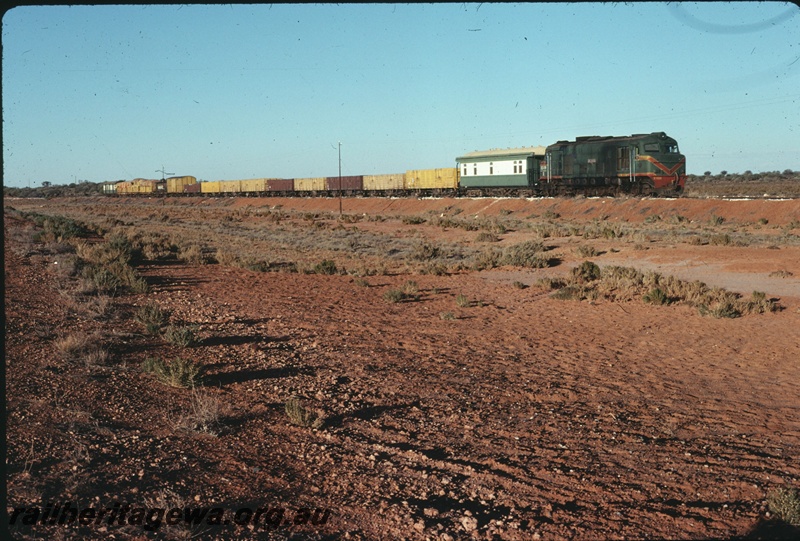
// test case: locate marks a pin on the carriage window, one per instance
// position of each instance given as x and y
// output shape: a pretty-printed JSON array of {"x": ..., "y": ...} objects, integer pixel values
[
  {"x": 465, "y": 170},
  {"x": 491, "y": 168},
  {"x": 474, "y": 168}
]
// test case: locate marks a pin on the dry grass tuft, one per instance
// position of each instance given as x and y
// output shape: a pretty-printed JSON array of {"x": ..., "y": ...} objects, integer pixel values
[
  {"x": 176, "y": 373},
  {"x": 588, "y": 281},
  {"x": 203, "y": 414},
  {"x": 785, "y": 504},
  {"x": 151, "y": 317},
  {"x": 302, "y": 416}
]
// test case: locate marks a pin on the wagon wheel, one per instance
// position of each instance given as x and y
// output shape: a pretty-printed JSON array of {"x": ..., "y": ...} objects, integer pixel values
[{"x": 647, "y": 187}]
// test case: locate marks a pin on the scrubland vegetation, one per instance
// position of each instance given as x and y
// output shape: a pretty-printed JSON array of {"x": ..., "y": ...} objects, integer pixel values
[{"x": 101, "y": 261}]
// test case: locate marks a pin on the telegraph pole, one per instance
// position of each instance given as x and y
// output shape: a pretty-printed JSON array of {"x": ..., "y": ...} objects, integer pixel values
[
  {"x": 163, "y": 172},
  {"x": 340, "y": 178}
]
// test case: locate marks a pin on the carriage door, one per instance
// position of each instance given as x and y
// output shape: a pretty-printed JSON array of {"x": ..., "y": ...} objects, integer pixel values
[
  {"x": 533, "y": 169},
  {"x": 624, "y": 164}
]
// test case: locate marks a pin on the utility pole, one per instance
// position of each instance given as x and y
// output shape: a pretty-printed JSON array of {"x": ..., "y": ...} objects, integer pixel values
[
  {"x": 340, "y": 178},
  {"x": 163, "y": 172}
]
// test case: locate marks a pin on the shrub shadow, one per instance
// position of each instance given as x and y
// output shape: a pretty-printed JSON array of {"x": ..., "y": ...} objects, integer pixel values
[{"x": 242, "y": 376}]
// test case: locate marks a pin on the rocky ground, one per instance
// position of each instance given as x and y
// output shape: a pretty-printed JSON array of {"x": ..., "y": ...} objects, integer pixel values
[{"x": 478, "y": 407}]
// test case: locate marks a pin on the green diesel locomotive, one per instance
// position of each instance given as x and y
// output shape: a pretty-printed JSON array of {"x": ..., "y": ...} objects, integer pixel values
[{"x": 646, "y": 164}]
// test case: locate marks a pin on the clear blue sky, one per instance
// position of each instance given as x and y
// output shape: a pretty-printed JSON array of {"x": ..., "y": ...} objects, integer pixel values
[{"x": 241, "y": 91}]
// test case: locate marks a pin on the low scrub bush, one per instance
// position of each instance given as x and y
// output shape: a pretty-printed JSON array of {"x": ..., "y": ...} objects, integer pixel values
[
  {"x": 108, "y": 266},
  {"x": 407, "y": 292},
  {"x": 434, "y": 268},
  {"x": 176, "y": 373},
  {"x": 588, "y": 281},
  {"x": 151, "y": 317},
  {"x": 568, "y": 293},
  {"x": 326, "y": 267},
  {"x": 203, "y": 414},
  {"x": 226, "y": 258},
  {"x": 655, "y": 296},
  {"x": 487, "y": 259},
  {"x": 413, "y": 220},
  {"x": 192, "y": 254},
  {"x": 785, "y": 504},
  {"x": 586, "y": 272},
  {"x": 300, "y": 415},
  {"x": 57, "y": 228},
  {"x": 394, "y": 295},
  {"x": 720, "y": 240},
  {"x": 182, "y": 336},
  {"x": 72, "y": 345},
  {"x": 526, "y": 254},
  {"x": 425, "y": 251},
  {"x": 485, "y": 236},
  {"x": 100, "y": 279},
  {"x": 551, "y": 283},
  {"x": 585, "y": 251}
]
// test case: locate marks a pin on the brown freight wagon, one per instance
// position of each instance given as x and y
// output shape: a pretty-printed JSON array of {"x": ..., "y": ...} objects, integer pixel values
[
  {"x": 192, "y": 188},
  {"x": 349, "y": 183},
  {"x": 280, "y": 184}
]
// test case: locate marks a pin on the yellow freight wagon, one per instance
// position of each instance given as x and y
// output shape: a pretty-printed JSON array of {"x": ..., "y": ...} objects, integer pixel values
[
  {"x": 254, "y": 185},
  {"x": 211, "y": 186},
  {"x": 230, "y": 186},
  {"x": 394, "y": 181},
  {"x": 143, "y": 185},
  {"x": 428, "y": 179},
  {"x": 316, "y": 184},
  {"x": 124, "y": 187},
  {"x": 176, "y": 184}
]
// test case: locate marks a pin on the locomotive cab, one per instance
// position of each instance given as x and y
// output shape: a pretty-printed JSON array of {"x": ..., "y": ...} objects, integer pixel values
[{"x": 660, "y": 160}]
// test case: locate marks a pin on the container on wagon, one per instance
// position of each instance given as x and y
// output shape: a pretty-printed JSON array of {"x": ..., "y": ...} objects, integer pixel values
[
  {"x": 348, "y": 183},
  {"x": 177, "y": 184},
  {"x": 211, "y": 186},
  {"x": 254, "y": 185},
  {"x": 230, "y": 186},
  {"x": 388, "y": 182},
  {"x": 428, "y": 179},
  {"x": 316, "y": 184},
  {"x": 280, "y": 184}
]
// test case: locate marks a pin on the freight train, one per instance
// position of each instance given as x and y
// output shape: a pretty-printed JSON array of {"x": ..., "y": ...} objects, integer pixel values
[{"x": 643, "y": 164}]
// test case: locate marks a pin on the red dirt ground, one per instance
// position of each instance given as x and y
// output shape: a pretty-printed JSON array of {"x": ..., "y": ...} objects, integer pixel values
[{"x": 524, "y": 417}]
